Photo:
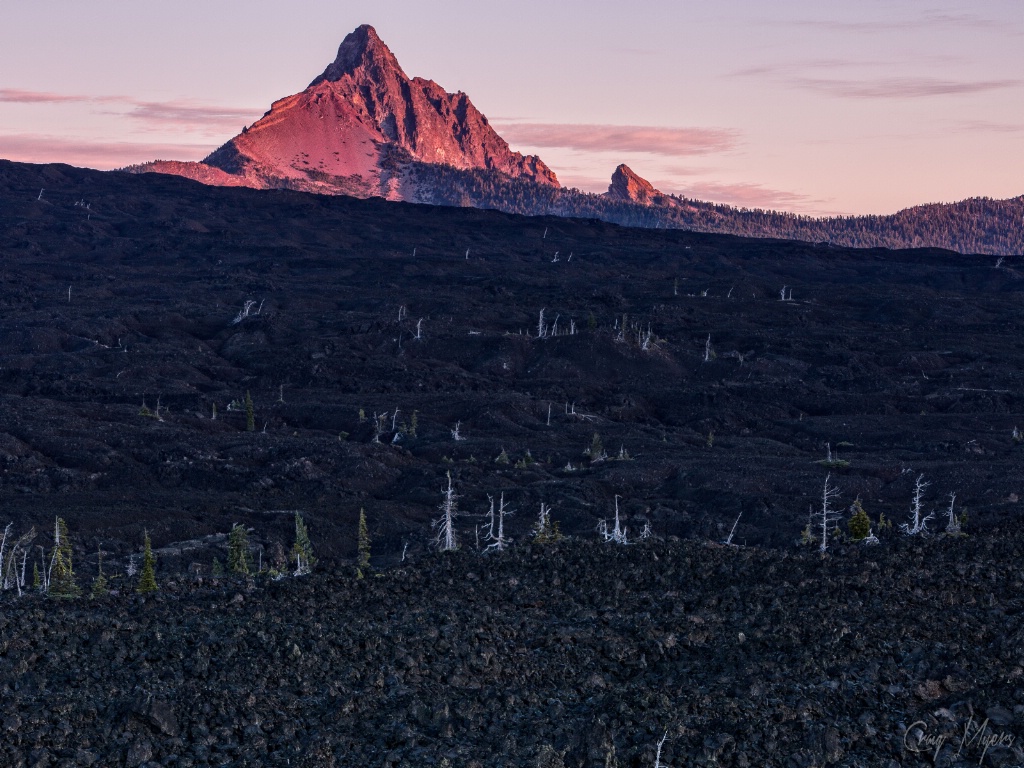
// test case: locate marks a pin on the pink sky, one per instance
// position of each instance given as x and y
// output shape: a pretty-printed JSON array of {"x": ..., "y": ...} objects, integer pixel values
[{"x": 813, "y": 107}]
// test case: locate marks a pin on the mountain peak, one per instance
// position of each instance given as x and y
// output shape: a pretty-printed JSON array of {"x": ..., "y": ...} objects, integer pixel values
[
  {"x": 360, "y": 128},
  {"x": 627, "y": 186},
  {"x": 361, "y": 49}
]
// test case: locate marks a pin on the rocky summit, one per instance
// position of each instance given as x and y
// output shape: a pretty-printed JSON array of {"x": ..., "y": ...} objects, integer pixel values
[
  {"x": 627, "y": 186},
  {"x": 356, "y": 129}
]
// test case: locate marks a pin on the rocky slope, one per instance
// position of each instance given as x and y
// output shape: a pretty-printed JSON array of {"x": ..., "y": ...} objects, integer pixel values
[
  {"x": 567, "y": 656},
  {"x": 354, "y": 129}
]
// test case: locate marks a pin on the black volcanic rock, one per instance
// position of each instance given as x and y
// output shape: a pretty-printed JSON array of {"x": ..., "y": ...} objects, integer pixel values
[{"x": 573, "y": 655}]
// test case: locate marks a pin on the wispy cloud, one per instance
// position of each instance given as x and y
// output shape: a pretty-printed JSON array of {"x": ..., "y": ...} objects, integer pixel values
[
  {"x": 986, "y": 126},
  {"x": 900, "y": 87},
  {"x": 744, "y": 194},
  {"x": 808, "y": 75},
  {"x": 20, "y": 96},
  {"x": 931, "y": 20},
  {"x": 672, "y": 142},
  {"x": 93, "y": 154},
  {"x": 190, "y": 115},
  {"x": 180, "y": 114}
]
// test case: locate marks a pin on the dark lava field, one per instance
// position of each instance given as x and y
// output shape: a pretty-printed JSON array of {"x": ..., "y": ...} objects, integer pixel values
[
  {"x": 697, "y": 379},
  {"x": 118, "y": 291}
]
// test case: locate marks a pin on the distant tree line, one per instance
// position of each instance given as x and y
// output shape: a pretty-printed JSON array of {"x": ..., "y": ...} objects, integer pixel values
[{"x": 979, "y": 225}]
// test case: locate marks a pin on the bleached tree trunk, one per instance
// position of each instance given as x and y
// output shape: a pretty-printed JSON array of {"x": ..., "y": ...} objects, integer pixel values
[
  {"x": 657, "y": 756},
  {"x": 3, "y": 545},
  {"x": 953, "y": 526},
  {"x": 490, "y": 517},
  {"x": 828, "y": 515},
  {"x": 500, "y": 542},
  {"x": 445, "y": 539},
  {"x": 618, "y": 534},
  {"x": 917, "y": 524},
  {"x": 732, "y": 532}
]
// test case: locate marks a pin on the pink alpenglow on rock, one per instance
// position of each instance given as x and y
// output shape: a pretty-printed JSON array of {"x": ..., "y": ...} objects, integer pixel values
[{"x": 356, "y": 129}]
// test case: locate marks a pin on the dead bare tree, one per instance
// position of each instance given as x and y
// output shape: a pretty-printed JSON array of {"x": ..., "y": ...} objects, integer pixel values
[
  {"x": 618, "y": 533},
  {"x": 917, "y": 524},
  {"x": 445, "y": 539},
  {"x": 11, "y": 573},
  {"x": 953, "y": 524},
  {"x": 499, "y": 542},
  {"x": 3, "y": 547},
  {"x": 828, "y": 516},
  {"x": 732, "y": 532},
  {"x": 657, "y": 756}
]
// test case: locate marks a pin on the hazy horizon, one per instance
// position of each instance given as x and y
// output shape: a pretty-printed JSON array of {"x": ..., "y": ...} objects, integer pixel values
[{"x": 798, "y": 106}]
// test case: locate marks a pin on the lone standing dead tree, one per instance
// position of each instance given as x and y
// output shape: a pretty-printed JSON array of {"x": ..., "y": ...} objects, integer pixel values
[
  {"x": 828, "y": 516},
  {"x": 499, "y": 542},
  {"x": 917, "y": 523},
  {"x": 445, "y": 540}
]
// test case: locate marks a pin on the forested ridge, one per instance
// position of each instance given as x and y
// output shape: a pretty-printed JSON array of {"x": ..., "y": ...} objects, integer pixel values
[{"x": 977, "y": 225}]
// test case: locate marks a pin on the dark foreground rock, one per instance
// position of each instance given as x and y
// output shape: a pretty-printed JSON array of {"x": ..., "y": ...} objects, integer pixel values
[{"x": 575, "y": 654}]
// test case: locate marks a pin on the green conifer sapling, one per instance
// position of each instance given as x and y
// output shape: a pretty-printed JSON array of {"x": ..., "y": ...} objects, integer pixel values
[
  {"x": 147, "y": 576},
  {"x": 62, "y": 575},
  {"x": 239, "y": 560},
  {"x": 302, "y": 550},
  {"x": 99, "y": 584},
  {"x": 250, "y": 413},
  {"x": 859, "y": 524},
  {"x": 363, "y": 563}
]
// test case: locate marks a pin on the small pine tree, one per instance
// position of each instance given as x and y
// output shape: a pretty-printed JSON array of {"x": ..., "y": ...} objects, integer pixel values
[
  {"x": 250, "y": 414},
  {"x": 363, "y": 562},
  {"x": 884, "y": 523},
  {"x": 302, "y": 550},
  {"x": 546, "y": 531},
  {"x": 62, "y": 575},
  {"x": 218, "y": 568},
  {"x": 37, "y": 583},
  {"x": 100, "y": 587},
  {"x": 239, "y": 560},
  {"x": 859, "y": 524},
  {"x": 147, "y": 576}
]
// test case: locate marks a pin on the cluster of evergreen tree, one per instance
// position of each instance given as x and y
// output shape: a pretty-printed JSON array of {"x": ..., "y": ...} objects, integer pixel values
[{"x": 54, "y": 574}]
